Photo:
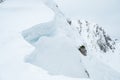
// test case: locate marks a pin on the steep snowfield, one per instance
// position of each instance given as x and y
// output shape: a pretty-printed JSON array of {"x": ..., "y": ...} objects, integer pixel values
[
  {"x": 55, "y": 53},
  {"x": 16, "y": 17},
  {"x": 99, "y": 70},
  {"x": 54, "y": 46},
  {"x": 50, "y": 53},
  {"x": 100, "y": 43},
  {"x": 59, "y": 54}
]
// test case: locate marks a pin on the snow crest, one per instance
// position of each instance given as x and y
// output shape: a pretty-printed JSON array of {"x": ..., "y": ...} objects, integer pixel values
[{"x": 57, "y": 46}]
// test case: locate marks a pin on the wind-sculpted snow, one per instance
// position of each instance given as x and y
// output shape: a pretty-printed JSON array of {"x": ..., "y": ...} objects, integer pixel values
[
  {"x": 33, "y": 34},
  {"x": 57, "y": 44},
  {"x": 55, "y": 51},
  {"x": 56, "y": 58}
]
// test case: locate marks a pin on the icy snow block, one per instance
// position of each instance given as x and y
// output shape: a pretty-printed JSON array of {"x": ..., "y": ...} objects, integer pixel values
[
  {"x": 33, "y": 34},
  {"x": 58, "y": 56}
]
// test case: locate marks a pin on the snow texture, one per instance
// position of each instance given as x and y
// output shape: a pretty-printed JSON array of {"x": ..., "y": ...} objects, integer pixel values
[
  {"x": 50, "y": 50},
  {"x": 58, "y": 53}
]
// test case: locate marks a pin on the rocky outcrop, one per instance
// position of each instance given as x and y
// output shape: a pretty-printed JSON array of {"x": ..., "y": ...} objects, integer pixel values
[
  {"x": 2, "y": 1},
  {"x": 94, "y": 36}
]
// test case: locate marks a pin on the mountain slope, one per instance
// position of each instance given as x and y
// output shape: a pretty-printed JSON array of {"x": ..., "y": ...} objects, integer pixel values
[{"x": 57, "y": 48}]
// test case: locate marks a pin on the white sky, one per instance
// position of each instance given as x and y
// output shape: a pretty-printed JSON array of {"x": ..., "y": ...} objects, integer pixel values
[{"x": 104, "y": 12}]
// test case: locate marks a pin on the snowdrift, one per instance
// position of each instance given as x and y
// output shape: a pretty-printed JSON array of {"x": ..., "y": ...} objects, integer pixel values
[{"x": 57, "y": 46}]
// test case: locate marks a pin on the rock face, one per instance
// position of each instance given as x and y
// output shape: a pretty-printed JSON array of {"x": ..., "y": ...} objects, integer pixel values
[
  {"x": 95, "y": 36},
  {"x": 83, "y": 50},
  {"x": 58, "y": 45},
  {"x": 2, "y": 1},
  {"x": 74, "y": 43}
]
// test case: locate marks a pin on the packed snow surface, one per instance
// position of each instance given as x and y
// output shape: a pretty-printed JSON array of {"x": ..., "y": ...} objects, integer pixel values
[
  {"x": 59, "y": 54},
  {"x": 49, "y": 50}
]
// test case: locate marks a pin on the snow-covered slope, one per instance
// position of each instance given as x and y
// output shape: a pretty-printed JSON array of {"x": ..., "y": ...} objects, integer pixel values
[
  {"x": 95, "y": 36},
  {"x": 57, "y": 46},
  {"x": 16, "y": 16},
  {"x": 56, "y": 52}
]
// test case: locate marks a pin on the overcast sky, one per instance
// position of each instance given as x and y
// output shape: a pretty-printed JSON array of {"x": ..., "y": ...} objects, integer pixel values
[{"x": 104, "y": 12}]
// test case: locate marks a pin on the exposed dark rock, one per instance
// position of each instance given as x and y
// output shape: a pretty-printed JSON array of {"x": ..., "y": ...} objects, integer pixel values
[
  {"x": 87, "y": 73},
  {"x": 100, "y": 37},
  {"x": 80, "y": 24},
  {"x": 83, "y": 50},
  {"x": 2, "y": 1},
  {"x": 87, "y": 24},
  {"x": 57, "y": 6},
  {"x": 69, "y": 22}
]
